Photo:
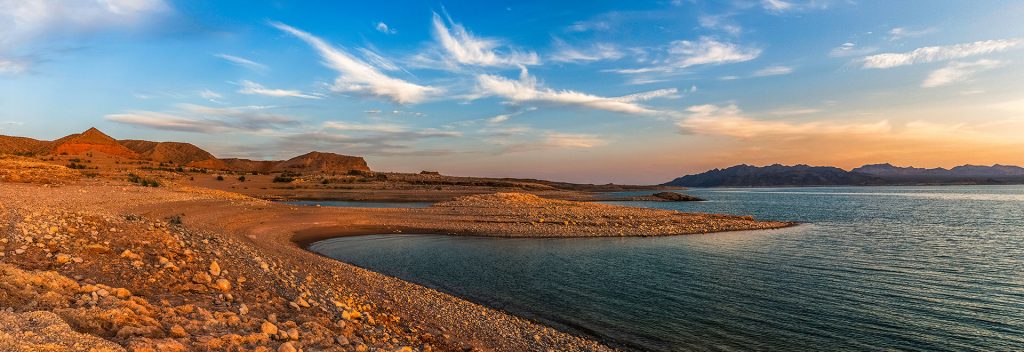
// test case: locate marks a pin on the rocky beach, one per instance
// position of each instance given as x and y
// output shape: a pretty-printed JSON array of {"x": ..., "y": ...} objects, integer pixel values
[{"x": 103, "y": 264}]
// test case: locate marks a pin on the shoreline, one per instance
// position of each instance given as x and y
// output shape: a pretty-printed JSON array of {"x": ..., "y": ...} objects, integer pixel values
[{"x": 235, "y": 229}]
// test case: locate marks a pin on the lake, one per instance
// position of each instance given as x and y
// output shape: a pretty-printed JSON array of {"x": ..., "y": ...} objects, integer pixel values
[
  {"x": 873, "y": 268},
  {"x": 358, "y": 204}
]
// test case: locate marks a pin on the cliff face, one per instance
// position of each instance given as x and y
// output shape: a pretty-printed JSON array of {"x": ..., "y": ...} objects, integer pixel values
[
  {"x": 323, "y": 162},
  {"x": 309, "y": 162}
]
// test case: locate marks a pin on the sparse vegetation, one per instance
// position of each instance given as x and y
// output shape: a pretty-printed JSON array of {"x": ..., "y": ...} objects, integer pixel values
[
  {"x": 220, "y": 178},
  {"x": 144, "y": 182},
  {"x": 283, "y": 179},
  {"x": 241, "y": 178}
]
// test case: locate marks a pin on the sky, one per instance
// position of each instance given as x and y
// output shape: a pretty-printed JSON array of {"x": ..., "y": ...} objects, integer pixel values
[{"x": 583, "y": 91}]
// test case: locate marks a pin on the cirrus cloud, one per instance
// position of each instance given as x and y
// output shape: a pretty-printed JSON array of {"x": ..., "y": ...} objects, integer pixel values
[
  {"x": 939, "y": 53},
  {"x": 356, "y": 76}
]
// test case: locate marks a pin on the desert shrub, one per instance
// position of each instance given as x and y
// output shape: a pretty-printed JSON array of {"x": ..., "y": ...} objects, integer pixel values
[
  {"x": 144, "y": 182},
  {"x": 241, "y": 178},
  {"x": 283, "y": 179},
  {"x": 220, "y": 178}
]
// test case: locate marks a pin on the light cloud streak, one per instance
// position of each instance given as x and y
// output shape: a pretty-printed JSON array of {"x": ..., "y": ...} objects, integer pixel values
[
  {"x": 940, "y": 53},
  {"x": 595, "y": 52},
  {"x": 243, "y": 62},
  {"x": 957, "y": 71},
  {"x": 527, "y": 89},
  {"x": 205, "y": 119},
  {"x": 773, "y": 71},
  {"x": 731, "y": 122},
  {"x": 356, "y": 76},
  {"x": 250, "y": 87}
]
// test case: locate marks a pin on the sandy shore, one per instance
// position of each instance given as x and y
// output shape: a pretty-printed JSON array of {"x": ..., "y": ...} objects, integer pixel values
[{"x": 138, "y": 268}]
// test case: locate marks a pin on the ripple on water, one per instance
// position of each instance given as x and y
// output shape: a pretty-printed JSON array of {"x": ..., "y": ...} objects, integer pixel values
[{"x": 908, "y": 268}]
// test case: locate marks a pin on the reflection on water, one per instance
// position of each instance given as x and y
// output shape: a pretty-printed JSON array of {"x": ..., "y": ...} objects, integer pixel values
[{"x": 875, "y": 268}]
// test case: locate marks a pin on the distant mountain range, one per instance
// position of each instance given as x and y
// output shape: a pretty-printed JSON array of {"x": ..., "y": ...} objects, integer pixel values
[
  {"x": 175, "y": 153},
  {"x": 867, "y": 175}
]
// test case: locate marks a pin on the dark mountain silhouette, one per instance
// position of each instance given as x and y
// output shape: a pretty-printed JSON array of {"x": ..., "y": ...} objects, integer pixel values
[
  {"x": 867, "y": 175},
  {"x": 774, "y": 175}
]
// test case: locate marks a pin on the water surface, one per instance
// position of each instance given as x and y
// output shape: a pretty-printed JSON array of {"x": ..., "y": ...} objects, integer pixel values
[
  {"x": 876, "y": 268},
  {"x": 357, "y": 204}
]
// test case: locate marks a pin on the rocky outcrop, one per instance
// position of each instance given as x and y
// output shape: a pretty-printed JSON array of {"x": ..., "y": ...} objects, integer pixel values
[
  {"x": 175, "y": 153},
  {"x": 92, "y": 140},
  {"x": 246, "y": 165},
  {"x": 323, "y": 162},
  {"x": 310, "y": 162}
]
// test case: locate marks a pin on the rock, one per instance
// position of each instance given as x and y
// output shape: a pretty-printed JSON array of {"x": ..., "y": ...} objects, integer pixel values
[
  {"x": 202, "y": 278},
  {"x": 63, "y": 258},
  {"x": 122, "y": 293},
  {"x": 676, "y": 197},
  {"x": 268, "y": 328},
  {"x": 243, "y": 309},
  {"x": 222, "y": 284},
  {"x": 287, "y": 347},
  {"x": 178, "y": 331},
  {"x": 214, "y": 268},
  {"x": 341, "y": 340},
  {"x": 350, "y": 315}
]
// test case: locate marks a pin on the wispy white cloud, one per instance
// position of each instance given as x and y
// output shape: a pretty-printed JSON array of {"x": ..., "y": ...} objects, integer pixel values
[
  {"x": 957, "y": 71},
  {"x": 572, "y": 140},
  {"x": 210, "y": 95},
  {"x": 850, "y": 49},
  {"x": 243, "y": 62},
  {"x": 783, "y": 6},
  {"x": 731, "y": 122},
  {"x": 719, "y": 22},
  {"x": 940, "y": 53},
  {"x": 900, "y": 33},
  {"x": 518, "y": 139},
  {"x": 383, "y": 28},
  {"x": 377, "y": 127},
  {"x": 776, "y": 5},
  {"x": 706, "y": 50},
  {"x": 773, "y": 71},
  {"x": 250, "y": 87},
  {"x": 205, "y": 119},
  {"x": 464, "y": 48},
  {"x": 356, "y": 76},
  {"x": 527, "y": 89},
  {"x": 595, "y": 52},
  {"x": 709, "y": 51}
]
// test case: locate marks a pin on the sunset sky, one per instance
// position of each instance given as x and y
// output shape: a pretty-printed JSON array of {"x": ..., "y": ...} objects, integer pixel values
[{"x": 592, "y": 91}]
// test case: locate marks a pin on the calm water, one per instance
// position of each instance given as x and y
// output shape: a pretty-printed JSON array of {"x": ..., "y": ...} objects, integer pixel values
[
  {"x": 879, "y": 268},
  {"x": 353, "y": 204}
]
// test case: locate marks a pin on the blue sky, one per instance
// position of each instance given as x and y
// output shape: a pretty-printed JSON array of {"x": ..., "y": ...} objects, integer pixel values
[{"x": 595, "y": 91}]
